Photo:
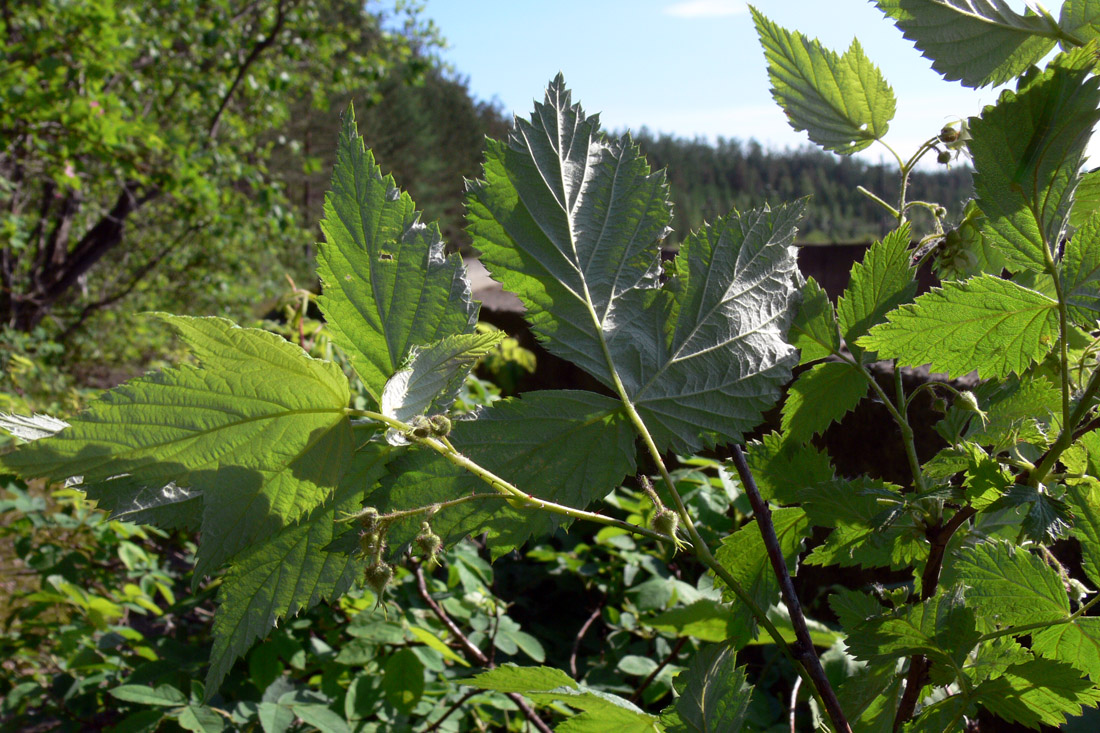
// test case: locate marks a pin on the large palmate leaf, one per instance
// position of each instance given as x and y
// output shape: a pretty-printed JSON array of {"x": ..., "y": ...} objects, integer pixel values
[
  {"x": 388, "y": 283},
  {"x": 1027, "y": 151},
  {"x": 977, "y": 42},
  {"x": 841, "y": 101},
  {"x": 561, "y": 446},
  {"x": 986, "y": 324},
  {"x": 570, "y": 221},
  {"x": 259, "y": 430},
  {"x": 291, "y": 572}
]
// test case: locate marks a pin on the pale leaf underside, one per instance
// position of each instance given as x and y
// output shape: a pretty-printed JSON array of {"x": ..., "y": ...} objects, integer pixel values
[{"x": 571, "y": 221}]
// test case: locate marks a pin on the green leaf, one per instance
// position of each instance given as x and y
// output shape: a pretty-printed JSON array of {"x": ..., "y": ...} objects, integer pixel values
[
  {"x": 942, "y": 628},
  {"x": 164, "y": 695},
  {"x": 1041, "y": 691},
  {"x": 714, "y": 694},
  {"x": 260, "y": 431},
  {"x": 1085, "y": 502},
  {"x": 978, "y": 42},
  {"x": 1080, "y": 273},
  {"x": 743, "y": 554},
  {"x": 513, "y": 678},
  {"x": 321, "y": 718},
  {"x": 388, "y": 284},
  {"x": 1027, "y": 151},
  {"x": 403, "y": 680},
  {"x": 564, "y": 446},
  {"x": 434, "y": 374},
  {"x": 814, "y": 331},
  {"x": 986, "y": 324},
  {"x": 1007, "y": 586},
  {"x": 783, "y": 468},
  {"x": 1018, "y": 411},
  {"x": 1086, "y": 199},
  {"x": 431, "y": 640},
  {"x": 880, "y": 283},
  {"x": 842, "y": 102},
  {"x": 1047, "y": 518},
  {"x": 870, "y": 528},
  {"x": 1077, "y": 643},
  {"x": 201, "y": 719},
  {"x": 706, "y": 620},
  {"x": 570, "y": 221},
  {"x": 602, "y": 711},
  {"x": 819, "y": 397},
  {"x": 290, "y": 572},
  {"x": 1081, "y": 19}
]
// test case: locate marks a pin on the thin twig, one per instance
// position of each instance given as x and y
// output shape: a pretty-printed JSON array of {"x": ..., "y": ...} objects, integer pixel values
[
  {"x": 472, "y": 652},
  {"x": 793, "y": 708},
  {"x": 580, "y": 635},
  {"x": 455, "y": 706},
  {"x": 657, "y": 670},
  {"x": 804, "y": 649}
]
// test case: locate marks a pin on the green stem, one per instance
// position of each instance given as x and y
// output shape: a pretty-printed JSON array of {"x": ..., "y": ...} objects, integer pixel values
[
  {"x": 907, "y": 436},
  {"x": 1026, "y": 628},
  {"x": 508, "y": 490},
  {"x": 874, "y": 197}
]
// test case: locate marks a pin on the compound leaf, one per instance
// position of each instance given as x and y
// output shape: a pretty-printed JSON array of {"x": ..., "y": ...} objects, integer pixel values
[
  {"x": 562, "y": 446},
  {"x": 388, "y": 283},
  {"x": 978, "y": 42},
  {"x": 842, "y": 101},
  {"x": 820, "y": 396},
  {"x": 1027, "y": 151},
  {"x": 260, "y": 430},
  {"x": 714, "y": 694},
  {"x": 986, "y": 324},
  {"x": 1085, "y": 502},
  {"x": 291, "y": 572},
  {"x": 570, "y": 221},
  {"x": 783, "y": 468}
]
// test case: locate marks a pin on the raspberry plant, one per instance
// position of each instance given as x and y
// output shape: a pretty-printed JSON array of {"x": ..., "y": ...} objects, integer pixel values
[{"x": 299, "y": 494}]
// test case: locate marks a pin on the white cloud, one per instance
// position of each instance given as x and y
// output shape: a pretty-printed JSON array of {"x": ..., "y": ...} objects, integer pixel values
[{"x": 705, "y": 8}]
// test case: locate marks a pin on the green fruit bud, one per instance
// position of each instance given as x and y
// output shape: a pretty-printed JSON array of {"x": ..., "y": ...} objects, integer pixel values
[
  {"x": 944, "y": 157},
  {"x": 368, "y": 519},
  {"x": 967, "y": 401},
  {"x": 420, "y": 427},
  {"x": 378, "y": 575},
  {"x": 665, "y": 521},
  {"x": 427, "y": 542},
  {"x": 441, "y": 425},
  {"x": 949, "y": 134},
  {"x": 370, "y": 542}
]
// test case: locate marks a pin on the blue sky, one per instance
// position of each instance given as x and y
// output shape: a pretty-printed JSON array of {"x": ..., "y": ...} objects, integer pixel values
[{"x": 688, "y": 67}]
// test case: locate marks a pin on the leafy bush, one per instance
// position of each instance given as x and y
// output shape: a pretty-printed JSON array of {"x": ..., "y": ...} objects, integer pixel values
[{"x": 964, "y": 605}]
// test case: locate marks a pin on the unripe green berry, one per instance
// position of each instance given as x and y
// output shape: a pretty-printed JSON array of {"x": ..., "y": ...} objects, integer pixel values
[
  {"x": 944, "y": 157},
  {"x": 665, "y": 521},
  {"x": 368, "y": 519},
  {"x": 967, "y": 401},
  {"x": 420, "y": 427},
  {"x": 949, "y": 134},
  {"x": 370, "y": 542},
  {"x": 428, "y": 542},
  {"x": 441, "y": 425},
  {"x": 378, "y": 575}
]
